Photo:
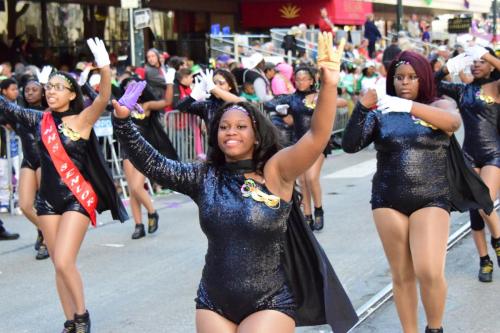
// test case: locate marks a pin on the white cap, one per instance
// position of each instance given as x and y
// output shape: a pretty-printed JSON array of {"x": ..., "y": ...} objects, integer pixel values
[{"x": 252, "y": 61}]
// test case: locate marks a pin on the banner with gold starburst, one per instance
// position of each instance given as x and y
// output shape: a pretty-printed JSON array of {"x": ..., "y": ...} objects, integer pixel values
[{"x": 286, "y": 13}]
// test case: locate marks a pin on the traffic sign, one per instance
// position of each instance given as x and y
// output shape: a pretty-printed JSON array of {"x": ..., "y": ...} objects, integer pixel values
[
  {"x": 127, "y": 4},
  {"x": 142, "y": 18}
]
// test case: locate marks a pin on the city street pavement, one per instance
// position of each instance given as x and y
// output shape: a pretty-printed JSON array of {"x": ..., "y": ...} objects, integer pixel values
[{"x": 148, "y": 285}]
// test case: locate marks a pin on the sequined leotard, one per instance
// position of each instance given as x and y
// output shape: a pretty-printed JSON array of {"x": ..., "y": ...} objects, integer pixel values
[
  {"x": 481, "y": 122},
  {"x": 31, "y": 156},
  {"x": 411, "y": 159},
  {"x": 301, "y": 113},
  {"x": 243, "y": 272}
]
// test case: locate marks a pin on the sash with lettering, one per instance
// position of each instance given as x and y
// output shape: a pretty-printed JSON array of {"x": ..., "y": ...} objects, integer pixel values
[{"x": 66, "y": 169}]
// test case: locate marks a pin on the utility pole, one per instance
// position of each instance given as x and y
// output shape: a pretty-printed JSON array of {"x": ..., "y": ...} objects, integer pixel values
[{"x": 399, "y": 15}]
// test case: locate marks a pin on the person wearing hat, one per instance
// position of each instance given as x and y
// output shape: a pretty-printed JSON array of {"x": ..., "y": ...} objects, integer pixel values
[
  {"x": 255, "y": 65},
  {"x": 368, "y": 78},
  {"x": 289, "y": 43}
]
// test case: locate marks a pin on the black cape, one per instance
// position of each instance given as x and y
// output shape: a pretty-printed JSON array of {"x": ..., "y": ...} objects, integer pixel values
[
  {"x": 319, "y": 295},
  {"x": 102, "y": 181},
  {"x": 467, "y": 190}
]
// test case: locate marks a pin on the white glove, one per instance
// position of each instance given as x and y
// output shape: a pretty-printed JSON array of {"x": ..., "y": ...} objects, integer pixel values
[
  {"x": 98, "y": 49},
  {"x": 43, "y": 76},
  {"x": 208, "y": 77},
  {"x": 199, "y": 92},
  {"x": 457, "y": 64},
  {"x": 476, "y": 52},
  {"x": 282, "y": 109},
  {"x": 169, "y": 75},
  {"x": 389, "y": 103},
  {"x": 84, "y": 75}
]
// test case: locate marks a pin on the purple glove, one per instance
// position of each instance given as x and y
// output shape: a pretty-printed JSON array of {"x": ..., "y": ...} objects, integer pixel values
[
  {"x": 138, "y": 109},
  {"x": 132, "y": 94}
]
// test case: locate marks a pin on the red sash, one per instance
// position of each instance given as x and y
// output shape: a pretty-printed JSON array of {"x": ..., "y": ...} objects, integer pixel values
[{"x": 65, "y": 167}]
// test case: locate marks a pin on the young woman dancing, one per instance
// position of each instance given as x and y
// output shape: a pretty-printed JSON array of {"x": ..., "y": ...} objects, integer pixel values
[
  {"x": 410, "y": 192},
  {"x": 75, "y": 179},
  {"x": 245, "y": 196},
  {"x": 478, "y": 103},
  {"x": 301, "y": 106}
]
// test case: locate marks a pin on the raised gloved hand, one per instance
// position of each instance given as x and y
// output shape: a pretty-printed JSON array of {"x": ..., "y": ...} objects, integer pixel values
[
  {"x": 169, "y": 75},
  {"x": 208, "y": 78},
  {"x": 84, "y": 75},
  {"x": 132, "y": 94},
  {"x": 98, "y": 49},
  {"x": 282, "y": 109},
  {"x": 389, "y": 103},
  {"x": 199, "y": 92},
  {"x": 476, "y": 52},
  {"x": 43, "y": 76},
  {"x": 457, "y": 64},
  {"x": 327, "y": 56}
]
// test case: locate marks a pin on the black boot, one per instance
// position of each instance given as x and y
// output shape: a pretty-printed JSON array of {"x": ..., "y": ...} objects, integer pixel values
[
  {"x": 82, "y": 323},
  {"x": 153, "y": 222},
  {"x": 309, "y": 221},
  {"x": 39, "y": 240},
  {"x": 495, "y": 242},
  {"x": 485, "y": 269},
  {"x": 318, "y": 219},
  {"x": 433, "y": 330},
  {"x": 139, "y": 231},
  {"x": 5, "y": 235},
  {"x": 69, "y": 327}
]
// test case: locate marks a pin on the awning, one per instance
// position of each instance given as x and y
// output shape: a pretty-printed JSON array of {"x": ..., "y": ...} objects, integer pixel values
[{"x": 285, "y": 13}]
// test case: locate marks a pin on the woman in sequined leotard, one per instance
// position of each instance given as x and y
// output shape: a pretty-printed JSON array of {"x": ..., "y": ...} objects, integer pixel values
[
  {"x": 410, "y": 192},
  {"x": 479, "y": 105},
  {"x": 244, "y": 197},
  {"x": 301, "y": 105},
  {"x": 62, "y": 217}
]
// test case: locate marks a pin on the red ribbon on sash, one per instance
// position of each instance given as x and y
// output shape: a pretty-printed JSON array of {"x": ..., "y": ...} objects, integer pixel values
[{"x": 66, "y": 169}]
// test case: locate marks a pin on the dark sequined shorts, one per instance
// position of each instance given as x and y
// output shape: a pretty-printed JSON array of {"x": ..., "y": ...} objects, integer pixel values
[
  {"x": 282, "y": 301},
  {"x": 408, "y": 207},
  {"x": 43, "y": 207}
]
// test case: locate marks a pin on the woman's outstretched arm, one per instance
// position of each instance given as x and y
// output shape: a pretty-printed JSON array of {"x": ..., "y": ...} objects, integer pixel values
[
  {"x": 307, "y": 150},
  {"x": 185, "y": 178}
]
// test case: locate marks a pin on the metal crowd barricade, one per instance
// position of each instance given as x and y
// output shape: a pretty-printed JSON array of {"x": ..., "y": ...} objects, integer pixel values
[
  {"x": 187, "y": 133},
  {"x": 10, "y": 185},
  {"x": 103, "y": 128}
]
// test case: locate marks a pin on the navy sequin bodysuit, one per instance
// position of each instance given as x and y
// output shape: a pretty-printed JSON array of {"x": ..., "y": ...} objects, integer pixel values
[
  {"x": 481, "y": 123},
  {"x": 301, "y": 114},
  {"x": 243, "y": 272},
  {"x": 411, "y": 159}
]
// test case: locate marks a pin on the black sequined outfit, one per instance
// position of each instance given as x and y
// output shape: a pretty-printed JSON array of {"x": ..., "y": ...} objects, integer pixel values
[
  {"x": 31, "y": 155},
  {"x": 481, "y": 123},
  {"x": 301, "y": 114},
  {"x": 151, "y": 129},
  {"x": 243, "y": 271},
  {"x": 411, "y": 159}
]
